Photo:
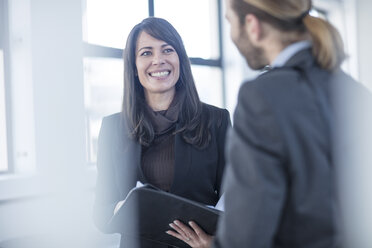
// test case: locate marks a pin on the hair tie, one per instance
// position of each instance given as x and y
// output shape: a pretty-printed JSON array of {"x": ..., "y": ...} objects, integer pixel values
[{"x": 303, "y": 15}]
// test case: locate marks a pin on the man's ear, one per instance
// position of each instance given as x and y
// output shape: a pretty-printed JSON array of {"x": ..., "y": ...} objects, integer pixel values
[{"x": 253, "y": 28}]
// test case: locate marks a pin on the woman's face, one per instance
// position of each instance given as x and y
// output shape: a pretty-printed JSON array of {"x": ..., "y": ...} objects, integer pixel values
[{"x": 158, "y": 65}]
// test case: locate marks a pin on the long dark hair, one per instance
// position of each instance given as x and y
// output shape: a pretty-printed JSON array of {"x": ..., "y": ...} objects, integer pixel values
[{"x": 193, "y": 125}]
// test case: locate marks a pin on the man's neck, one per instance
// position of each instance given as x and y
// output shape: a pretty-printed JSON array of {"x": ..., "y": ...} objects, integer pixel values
[
  {"x": 272, "y": 52},
  {"x": 289, "y": 51}
]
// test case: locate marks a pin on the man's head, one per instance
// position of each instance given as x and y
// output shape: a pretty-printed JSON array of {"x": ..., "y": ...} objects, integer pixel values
[
  {"x": 242, "y": 36},
  {"x": 262, "y": 28}
]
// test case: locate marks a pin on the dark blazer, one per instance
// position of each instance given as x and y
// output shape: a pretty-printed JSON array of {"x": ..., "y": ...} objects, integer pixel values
[
  {"x": 279, "y": 185},
  {"x": 198, "y": 173}
]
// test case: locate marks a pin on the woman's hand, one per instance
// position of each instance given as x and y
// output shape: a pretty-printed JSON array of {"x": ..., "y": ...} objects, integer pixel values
[{"x": 194, "y": 237}]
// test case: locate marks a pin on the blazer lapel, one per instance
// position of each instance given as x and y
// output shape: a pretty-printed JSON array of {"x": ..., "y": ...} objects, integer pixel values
[{"x": 127, "y": 155}]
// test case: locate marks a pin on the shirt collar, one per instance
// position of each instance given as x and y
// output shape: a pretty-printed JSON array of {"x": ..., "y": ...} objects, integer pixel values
[{"x": 288, "y": 52}]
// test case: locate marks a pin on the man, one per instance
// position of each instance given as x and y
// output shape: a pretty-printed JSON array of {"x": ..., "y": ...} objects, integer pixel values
[
  {"x": 293, "y": 130},
  {"x": 280, "y": 182}
]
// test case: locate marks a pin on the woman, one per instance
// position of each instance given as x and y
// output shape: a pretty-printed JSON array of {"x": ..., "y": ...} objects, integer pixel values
[{"x": 164, "y": 135}]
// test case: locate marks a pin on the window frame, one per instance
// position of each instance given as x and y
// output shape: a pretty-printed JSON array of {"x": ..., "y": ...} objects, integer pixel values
[
  {"x": 93, "y": 50},
  {"x": 4, "y": 45}
]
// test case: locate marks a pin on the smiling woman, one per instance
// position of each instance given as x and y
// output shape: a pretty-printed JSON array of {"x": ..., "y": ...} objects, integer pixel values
[
  {"x": 164, "y": 135},
  {"x": 158, "y": 70}
]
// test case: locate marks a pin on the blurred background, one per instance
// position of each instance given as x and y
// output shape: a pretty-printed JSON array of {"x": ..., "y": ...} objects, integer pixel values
[{"x": 61, "y": 71}]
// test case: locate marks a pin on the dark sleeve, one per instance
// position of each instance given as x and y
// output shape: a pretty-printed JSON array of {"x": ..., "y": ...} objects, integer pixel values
[
  {"x": 255, "y": 179},
  {"x": 221, "y": 143},
  {"x": 107, "y": 194}
]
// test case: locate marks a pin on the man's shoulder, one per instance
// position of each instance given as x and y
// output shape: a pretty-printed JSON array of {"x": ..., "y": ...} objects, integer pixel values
[{"x": 272, "y": 77}]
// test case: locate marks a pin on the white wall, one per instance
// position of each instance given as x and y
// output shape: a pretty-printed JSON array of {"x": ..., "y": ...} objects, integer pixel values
[
  {"x": 21, "y": 85},
  {"x": 54, "y": 199}
]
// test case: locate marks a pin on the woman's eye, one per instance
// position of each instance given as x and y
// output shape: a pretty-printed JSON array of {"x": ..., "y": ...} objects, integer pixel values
[
  {"x": 146, "y": 53},
  {"x": 168, "y": 50}
]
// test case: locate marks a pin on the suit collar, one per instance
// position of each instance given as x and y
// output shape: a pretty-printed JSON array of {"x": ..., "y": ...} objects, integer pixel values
[
  {"x": 288, "y": 52},
  {"x": 303, "y": 58}
]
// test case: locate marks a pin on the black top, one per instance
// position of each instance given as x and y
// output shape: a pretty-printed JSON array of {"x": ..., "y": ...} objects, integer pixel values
[{"x": 157, "y": 159}]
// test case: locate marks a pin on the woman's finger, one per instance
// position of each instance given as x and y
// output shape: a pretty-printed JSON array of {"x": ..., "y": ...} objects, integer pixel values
[
  {"x": 205, "y": 240},
  {"x": 197, "y": 229},
  {"x": 178, "y": 236},
  {"x": 179, "y": 230},
  {"x": 187, "y": 230}
]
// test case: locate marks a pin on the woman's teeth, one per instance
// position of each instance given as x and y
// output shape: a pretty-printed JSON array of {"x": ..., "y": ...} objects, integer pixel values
[{"x": 160, "y": 74}]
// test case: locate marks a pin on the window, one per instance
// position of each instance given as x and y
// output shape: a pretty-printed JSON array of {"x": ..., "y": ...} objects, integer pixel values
[
  {"x": 108, "y": 23},
  {"x": 106, "y": 26},
  {"x": 208, "y": 80},
  {"x": 103, "y": 80},
  {"x": 199, "y": 32}
]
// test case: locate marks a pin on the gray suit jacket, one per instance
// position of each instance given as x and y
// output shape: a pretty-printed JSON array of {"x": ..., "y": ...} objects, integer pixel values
[{"x": 279, "y": 183}]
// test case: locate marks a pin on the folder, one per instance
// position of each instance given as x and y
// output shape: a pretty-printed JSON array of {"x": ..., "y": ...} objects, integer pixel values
[{"x": 147, "y": 212}]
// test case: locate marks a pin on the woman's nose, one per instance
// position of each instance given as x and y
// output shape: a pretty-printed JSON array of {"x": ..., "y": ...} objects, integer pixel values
[{"x": 158, "y": 58}]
